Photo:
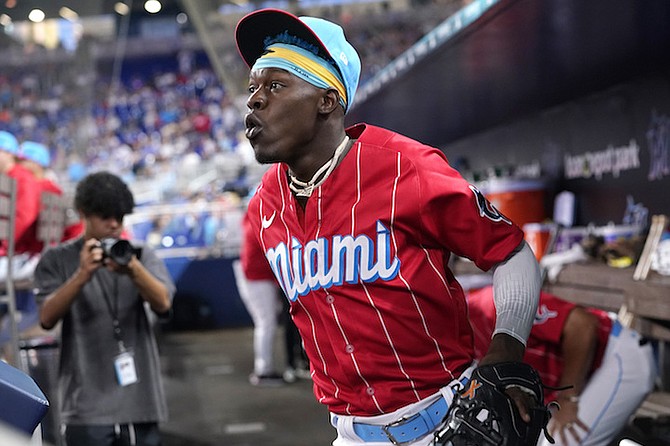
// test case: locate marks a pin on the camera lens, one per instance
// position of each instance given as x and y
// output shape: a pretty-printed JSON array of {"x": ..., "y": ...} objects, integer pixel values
[{"x": 120, "y": 251}]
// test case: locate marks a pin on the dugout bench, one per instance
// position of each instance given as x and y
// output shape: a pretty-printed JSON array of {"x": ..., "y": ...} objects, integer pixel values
[{"x": 642, "y": 302}]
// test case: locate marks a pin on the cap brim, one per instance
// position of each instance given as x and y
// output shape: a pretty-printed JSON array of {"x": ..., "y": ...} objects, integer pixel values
[{"x": 253, "y": 28}]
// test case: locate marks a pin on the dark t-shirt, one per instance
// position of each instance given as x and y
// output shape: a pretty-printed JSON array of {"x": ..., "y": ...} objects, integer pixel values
[{"x": 89, "y": 391}]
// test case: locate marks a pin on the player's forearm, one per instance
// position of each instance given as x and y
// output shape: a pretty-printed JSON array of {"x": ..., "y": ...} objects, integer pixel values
[
  {"x": 578, "y": 344},
  {"x": 503, "y": 348}
]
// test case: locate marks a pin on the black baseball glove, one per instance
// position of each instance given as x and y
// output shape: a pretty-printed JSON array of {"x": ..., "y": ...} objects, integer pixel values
[{"x": 482, "y": 414}]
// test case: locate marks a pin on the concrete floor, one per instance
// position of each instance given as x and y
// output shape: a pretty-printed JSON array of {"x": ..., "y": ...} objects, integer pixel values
[{"x": 212, "y": 403}]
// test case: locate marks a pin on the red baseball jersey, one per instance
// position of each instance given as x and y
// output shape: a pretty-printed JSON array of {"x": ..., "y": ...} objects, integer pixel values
[
  {"x": 543, "y": 350},
  {"x": 364, "y": 266},
  {"x": 28, "y": 192}
]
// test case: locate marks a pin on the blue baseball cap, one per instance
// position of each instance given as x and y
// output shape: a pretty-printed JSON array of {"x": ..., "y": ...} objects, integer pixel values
[
  {"x": 8, "y": 142},
  {"x": 35, "y": 151},
  {"x": 254, "y": 28}
]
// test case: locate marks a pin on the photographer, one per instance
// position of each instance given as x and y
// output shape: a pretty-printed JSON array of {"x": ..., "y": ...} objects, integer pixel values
[{"x": 109, "y": 375}]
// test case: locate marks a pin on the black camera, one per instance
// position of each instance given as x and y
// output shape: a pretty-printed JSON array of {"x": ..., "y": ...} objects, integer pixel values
[{"x": 120, "y": 251}]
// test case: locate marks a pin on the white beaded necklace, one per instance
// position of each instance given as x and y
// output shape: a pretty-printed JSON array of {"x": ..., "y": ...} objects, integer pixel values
[{"x": 305, "y": 189}]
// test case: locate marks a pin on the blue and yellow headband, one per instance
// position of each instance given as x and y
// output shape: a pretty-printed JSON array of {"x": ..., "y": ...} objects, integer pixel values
[{"x": 305, "y": 65}]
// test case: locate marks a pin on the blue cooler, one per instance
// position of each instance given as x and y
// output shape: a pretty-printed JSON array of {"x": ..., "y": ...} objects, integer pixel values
[{"x": 22, "y": 402}]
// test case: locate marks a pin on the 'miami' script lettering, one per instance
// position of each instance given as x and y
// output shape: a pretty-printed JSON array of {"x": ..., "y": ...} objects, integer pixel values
[{"x": 324, "y": 263}]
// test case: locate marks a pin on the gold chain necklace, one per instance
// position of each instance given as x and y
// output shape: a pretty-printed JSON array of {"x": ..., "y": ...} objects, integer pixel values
[{"x": 305, "y": 189}]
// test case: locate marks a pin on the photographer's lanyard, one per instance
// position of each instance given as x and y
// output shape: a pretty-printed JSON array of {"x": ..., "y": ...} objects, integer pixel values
[
  {"x": 113, "y": 308},
  {"x": 124, "y": 362}
]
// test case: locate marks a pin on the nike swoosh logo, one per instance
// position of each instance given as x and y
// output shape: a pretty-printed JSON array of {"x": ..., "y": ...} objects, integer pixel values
[
  {"x": 544, "y": 314},
  {"x": 266, "y": 222}
]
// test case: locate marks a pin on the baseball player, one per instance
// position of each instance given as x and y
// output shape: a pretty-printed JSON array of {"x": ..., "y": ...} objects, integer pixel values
[
  {"x": 258, "y": 290},
  {"x": 357, "y": 226},
  {"x": 610, "y": 368}
]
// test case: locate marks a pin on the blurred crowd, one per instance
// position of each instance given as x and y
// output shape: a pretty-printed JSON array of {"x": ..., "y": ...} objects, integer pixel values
[{"x": 175, "y": 135}]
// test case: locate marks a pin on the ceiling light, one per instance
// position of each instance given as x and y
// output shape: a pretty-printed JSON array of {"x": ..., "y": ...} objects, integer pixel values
[
  {"x": 68, "y": 14},
  {"x": 121, "y": 8},
  {"x": 152, "y": 6},
  {"x": 36, "y": 15}
]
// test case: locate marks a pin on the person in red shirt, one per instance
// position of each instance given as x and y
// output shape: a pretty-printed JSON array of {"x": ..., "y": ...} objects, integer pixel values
[
  {"x": 261, "y": 296},
  {"x": 357, "y": 225},
  {"x": 607, "y": 368},
  {"x": 28, "y": 191},
  {"x": 35, "y": 157}
]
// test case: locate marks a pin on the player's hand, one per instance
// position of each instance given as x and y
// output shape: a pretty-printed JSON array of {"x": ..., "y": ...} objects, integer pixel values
[
  {"x": 481, "y": 413},
  {"x": 564, "y": 422},
  {"x": 90, "y": 257},
  {"x": 505, "y": 348},
  {"x": 523, "y": 401}
]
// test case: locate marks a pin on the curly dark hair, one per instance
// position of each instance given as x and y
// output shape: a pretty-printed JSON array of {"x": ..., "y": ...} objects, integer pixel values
[{"x": 105, "y": 195}]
